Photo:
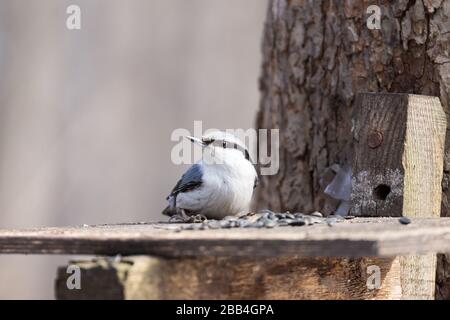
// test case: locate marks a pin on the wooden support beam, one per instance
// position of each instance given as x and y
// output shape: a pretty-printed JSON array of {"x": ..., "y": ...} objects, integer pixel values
[
  {"x": 231, "y": 278},
  {"x": 397, "y": 170}
]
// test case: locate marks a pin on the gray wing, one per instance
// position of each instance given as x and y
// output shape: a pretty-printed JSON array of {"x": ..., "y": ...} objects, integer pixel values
[{"x": 190, "y": 180}]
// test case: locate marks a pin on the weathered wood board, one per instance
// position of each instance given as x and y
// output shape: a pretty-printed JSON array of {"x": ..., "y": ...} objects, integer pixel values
[
  {"x": 369, "y": 237},
  {"x": 398, "y": 162},
  {"x": 143, "y": 277},
  {"x": 398, "y": 155}
]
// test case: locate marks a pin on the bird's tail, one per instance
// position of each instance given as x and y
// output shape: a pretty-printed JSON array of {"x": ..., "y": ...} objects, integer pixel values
[{"x": 169, "y": 211}]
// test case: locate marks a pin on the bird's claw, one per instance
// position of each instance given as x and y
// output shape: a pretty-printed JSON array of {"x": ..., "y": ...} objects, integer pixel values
[
  {"x": 184, "y": 218},
  {"x": 177, "y": 219},
  {"x": 197, "y": 218}
]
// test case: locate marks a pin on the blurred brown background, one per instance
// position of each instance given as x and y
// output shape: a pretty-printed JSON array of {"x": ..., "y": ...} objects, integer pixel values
[{"x": 86, "y": 115}]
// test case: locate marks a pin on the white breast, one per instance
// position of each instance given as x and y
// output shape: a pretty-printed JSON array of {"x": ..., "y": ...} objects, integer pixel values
[{"x": 227, "y": 189}]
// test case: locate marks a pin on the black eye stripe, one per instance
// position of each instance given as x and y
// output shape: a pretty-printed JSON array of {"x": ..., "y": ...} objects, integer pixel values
[
  {"x": 208, "y": 141},
  {"x": 227, "y": 144}
]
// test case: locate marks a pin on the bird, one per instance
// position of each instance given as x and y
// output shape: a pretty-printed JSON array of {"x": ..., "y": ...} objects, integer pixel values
[{"x": 220, "y": 184}]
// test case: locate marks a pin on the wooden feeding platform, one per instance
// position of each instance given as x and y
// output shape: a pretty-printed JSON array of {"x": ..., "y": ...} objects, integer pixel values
[
  {"x": 396, "y": 170},
  {"x": 359, "y": 237}
]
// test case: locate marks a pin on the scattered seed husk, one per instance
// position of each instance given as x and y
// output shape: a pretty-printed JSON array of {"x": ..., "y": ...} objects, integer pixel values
[
  {"x": 270, "y": 224},
  {"x": 258, "y": 224},
  {"x": 404, "y": 220},
  {"x": 263, "y": 219},
  {"x": 290, "y": 216},
  {"x": 224, "y": 224},
  {"x": 331, "y": 221},
  {"x": 298, "y": 222},
  {"x": 213, "y": 224},
  {"x": 284, "y": 222}
]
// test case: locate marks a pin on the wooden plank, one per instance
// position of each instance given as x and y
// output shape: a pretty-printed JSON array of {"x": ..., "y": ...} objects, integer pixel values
[
  {"x": 381, "y": 237},
  {"x": 398, "y": 155},
  {"x": 379, "y": 137},
  {"x": 423, "y": 161},
  {"x": 231, "y": 278},
  {"x": 398, "y": 167}
]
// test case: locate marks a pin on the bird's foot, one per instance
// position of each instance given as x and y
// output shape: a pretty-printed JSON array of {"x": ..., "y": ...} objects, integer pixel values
[
  {"x": 197, "y": 218},
  {"x": 246, "y": 215},
  {"x": 177, "y": 218},
  {"x": 182, "y": 217}
]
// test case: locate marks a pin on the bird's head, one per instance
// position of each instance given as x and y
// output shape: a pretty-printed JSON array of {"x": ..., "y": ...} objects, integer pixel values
[{"x": 219, "y": 144}]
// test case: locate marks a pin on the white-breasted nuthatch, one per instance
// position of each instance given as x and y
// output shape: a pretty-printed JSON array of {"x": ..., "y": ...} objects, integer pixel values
[{"x": 219, "y": 185}]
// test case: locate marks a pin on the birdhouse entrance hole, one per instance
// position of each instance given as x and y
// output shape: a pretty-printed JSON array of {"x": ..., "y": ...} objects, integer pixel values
[{"x": 381, "y": 192}]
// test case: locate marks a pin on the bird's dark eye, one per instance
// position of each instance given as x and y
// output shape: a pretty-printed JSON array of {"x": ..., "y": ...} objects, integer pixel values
[
  {"x": 208, "y": 141},
  {"x": 224, "y": 145}
]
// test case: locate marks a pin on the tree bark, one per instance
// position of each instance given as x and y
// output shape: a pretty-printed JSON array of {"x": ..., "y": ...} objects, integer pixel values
[{"x": 316, "y": 56}]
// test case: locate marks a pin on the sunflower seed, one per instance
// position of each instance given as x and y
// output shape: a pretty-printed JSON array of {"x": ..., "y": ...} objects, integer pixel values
[
  {"x": 284, "y": 222},
  {"x": 331, "y": 221},
  {"x": 214, "y": 224},
  {"x": 265, "y": 215},
  {"x": 258, "y": 224},
  {"x": 315, "y": 220},
  {"x": 235, "y": 224},
  {"x": 404, "y": 220},
  {"x": 272, "y": 216},
  {"x": 290, "y": 216},
  {"x": 225, "y": 224},
  {"x": 298, "y": 222},
  {"x": 242, "y": 223},
  {"x": 270, "y": 224}
]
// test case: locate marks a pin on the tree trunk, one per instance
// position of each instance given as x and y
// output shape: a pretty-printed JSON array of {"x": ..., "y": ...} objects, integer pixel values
[{"x": 316, "y": 56}]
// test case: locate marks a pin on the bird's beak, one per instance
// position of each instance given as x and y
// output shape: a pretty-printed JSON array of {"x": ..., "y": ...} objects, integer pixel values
[{"x": 195, "y": 140}]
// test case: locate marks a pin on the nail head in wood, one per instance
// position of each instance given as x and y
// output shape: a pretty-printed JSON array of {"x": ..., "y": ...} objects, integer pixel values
[{"x": 375, "y": 139}]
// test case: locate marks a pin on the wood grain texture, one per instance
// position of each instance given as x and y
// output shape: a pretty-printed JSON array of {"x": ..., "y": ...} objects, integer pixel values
[
  {"x": 423, "y": 157},
  {"x": 386, "y": 115},
  {"x": 423, "y": 161},
  {"x": 399, "y": 149},
  {"x": 407, "y": 159},
  {"x": 231, "y": 278},
  {"x": 359, "y": 237}
]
